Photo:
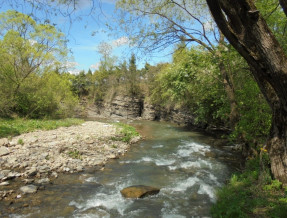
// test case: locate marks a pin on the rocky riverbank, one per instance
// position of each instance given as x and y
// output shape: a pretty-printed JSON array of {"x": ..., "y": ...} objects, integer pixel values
[{"x": 37, "y": 158}]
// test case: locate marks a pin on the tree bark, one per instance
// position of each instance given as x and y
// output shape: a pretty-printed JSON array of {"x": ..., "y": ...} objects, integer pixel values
[
  {"x": 247, "y": 31},
  {"x": 283, "y": 4}
]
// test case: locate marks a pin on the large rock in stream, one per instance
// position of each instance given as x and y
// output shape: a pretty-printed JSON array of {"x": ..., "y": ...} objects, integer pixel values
[{"x": 139, "y": 191}]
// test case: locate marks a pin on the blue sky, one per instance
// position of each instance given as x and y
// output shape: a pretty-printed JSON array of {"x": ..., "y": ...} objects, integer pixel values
[{"x": 87, "y": 33}]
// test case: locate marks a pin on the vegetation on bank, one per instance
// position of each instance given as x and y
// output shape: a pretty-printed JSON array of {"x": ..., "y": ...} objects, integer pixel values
[
  {"x": 17, "y": 126},
  {"x": 252, "y": 193},
  {"x": 125, "y": 132}
]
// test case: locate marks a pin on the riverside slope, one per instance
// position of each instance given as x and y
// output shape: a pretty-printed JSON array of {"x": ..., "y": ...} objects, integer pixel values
[{"x": 42, "y": 154}]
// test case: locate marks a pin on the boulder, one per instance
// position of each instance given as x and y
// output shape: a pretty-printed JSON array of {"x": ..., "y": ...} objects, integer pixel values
[
  {"x": 29, "y": 189},
  {"x": 139, "y": 191}
]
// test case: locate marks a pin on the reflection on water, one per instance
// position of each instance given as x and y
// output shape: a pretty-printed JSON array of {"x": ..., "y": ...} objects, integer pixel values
[{"x": 181, "y": 163}]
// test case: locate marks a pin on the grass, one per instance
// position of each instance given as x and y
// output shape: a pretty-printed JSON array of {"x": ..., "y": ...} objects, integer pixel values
[
  {"x": 125, "y": 132},
  {"x": 75, "y": 154},
  {"x": 252, "y": 193},
  {"x": 13, "y": 127}
]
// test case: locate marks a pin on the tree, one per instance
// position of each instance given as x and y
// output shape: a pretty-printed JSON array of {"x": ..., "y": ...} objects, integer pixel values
[
  {"x": 133, "y": 77},
  {"x": 247, "y": 31},
  {"x": 166, "y": 22},
  {"x": 28, "y": 53},
  {"x": 27, "y": 48}
]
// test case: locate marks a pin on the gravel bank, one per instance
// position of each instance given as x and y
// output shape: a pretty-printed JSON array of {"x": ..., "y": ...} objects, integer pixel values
[{"x": 39, "y": 156}]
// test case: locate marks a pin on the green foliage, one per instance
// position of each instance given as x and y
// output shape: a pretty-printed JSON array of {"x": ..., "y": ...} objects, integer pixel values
[
  {"x": 75, "y": 154},
  {"x": 255, "y": 113},
  {"x": 249, "y": 195},
  {"x": 81, "y": 83},
  {"x": 13, "y": 127},
  {"x": 125, "y": 132},
  {"x": 275, "y": 18},
  {"x": 20, "y": 142},
  {"x": 193, "y": 81},
  {"x": 275, "y": 185},
  {"x": 29, "y": 55}
]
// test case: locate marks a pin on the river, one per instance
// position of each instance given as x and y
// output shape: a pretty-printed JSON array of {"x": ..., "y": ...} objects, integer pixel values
[{"x": 183, "y": 164}]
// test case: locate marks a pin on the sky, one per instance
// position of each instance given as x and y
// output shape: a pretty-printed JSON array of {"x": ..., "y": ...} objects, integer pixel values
[{"x": 85, "y": 34}]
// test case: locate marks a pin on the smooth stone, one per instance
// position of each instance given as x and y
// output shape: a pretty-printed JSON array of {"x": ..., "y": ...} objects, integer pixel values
[
  {"x": 139, "y": 191},
  {"x": 4, "y": 151},
  {"x": 4, "y": 183},
  {"x": 43, "y": 181},
  {"x": 28, "y": 181},
  {"x": 29, "y": 189}
]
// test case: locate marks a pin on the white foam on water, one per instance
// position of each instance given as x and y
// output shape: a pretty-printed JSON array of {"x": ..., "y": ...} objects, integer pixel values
[
  {"x": 196, "y": 164},
  {"x": 158, "y": 161},
  {"x": 214, "y": 179},
  {"x": 147, "y": 159},
  {"x": 172, "y": 167},
  {"x": 169, "y": 211},
  {"x": 108, "y": 201},
  {"x": 172, "y": 215},
  {"x": 164, "y": 162},
  {"x": 208, "y": 190},
  {"x": 157, "y": 146},
  {"x": 19, "y": 216},
  {"x": 182, "y": 186},
  {"x": 190, "y": 164},
  {"x": 89, "y": 215},
  {"x": 91, "y": 179},
  {"x": 189, "y": 148}
]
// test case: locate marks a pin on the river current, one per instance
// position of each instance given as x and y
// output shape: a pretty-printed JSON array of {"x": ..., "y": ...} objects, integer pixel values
[{"x": 183, "y": 164}]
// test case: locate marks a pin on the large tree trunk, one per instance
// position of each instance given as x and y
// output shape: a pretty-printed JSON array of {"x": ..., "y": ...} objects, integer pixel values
[{"x": 247, "y": 31}]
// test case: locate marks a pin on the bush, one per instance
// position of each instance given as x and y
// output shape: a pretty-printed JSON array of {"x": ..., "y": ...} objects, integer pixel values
[
  {"x": 248, "y": 195},
  {"x": 47, "y": 96}
]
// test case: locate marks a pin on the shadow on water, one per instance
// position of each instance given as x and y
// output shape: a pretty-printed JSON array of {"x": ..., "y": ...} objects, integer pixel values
[{"x": 183, "y": 164}]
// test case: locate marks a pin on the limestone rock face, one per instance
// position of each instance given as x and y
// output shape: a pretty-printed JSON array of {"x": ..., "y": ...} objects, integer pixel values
[{"x": 139, "y": 191}]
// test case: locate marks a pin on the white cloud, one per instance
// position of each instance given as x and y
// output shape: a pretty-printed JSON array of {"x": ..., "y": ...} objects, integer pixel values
[
  {"x": 71, "y": 64},
  {"x": 120, "y": 41},
  {"x": 71, "y": 67},
  {"x": 209, "y": 26},
  {"x": 74, "y": 71},
  {"x": 84, "y": 4},
  {"x": 95, "y": 66}
]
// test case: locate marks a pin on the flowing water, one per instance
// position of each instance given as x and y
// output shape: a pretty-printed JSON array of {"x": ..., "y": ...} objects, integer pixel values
[{"x": 183, "y": 164}]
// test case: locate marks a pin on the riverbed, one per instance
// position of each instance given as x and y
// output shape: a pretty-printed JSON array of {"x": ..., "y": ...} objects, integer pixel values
[{"x": 185, "y": 165}]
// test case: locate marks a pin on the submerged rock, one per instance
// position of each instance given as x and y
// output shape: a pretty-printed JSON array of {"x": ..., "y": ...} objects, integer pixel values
[
  {"x": 29, "y": 189},
  {"x": 139, "y": 191}
]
